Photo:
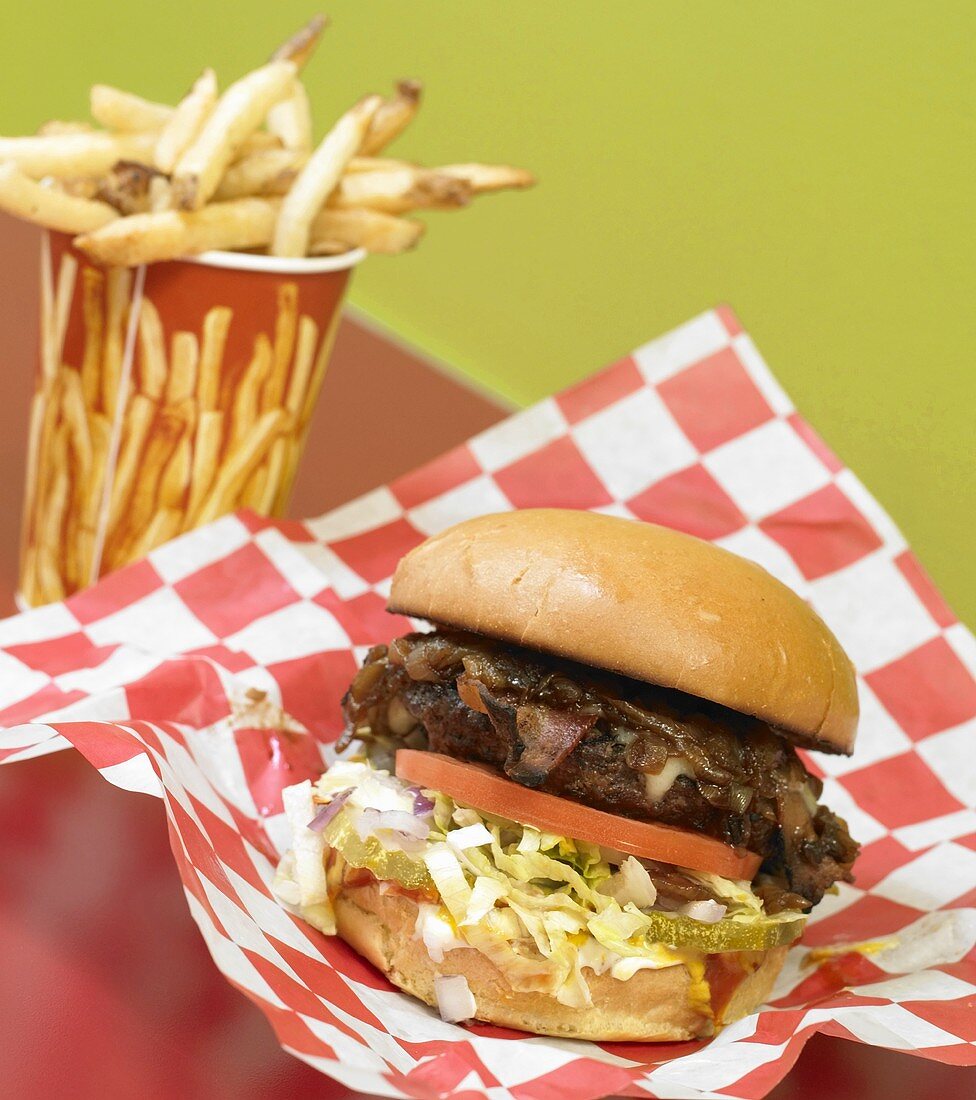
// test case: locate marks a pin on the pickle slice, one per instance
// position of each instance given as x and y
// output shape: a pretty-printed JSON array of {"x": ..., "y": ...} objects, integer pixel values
[
  {"x": 370, "y": 854},
  {"x": 671, "y": 929},
  {"x": 760, "y": 934}
]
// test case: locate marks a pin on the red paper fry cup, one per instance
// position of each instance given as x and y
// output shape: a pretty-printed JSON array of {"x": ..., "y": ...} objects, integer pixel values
[{"x": 167, "y": 395}]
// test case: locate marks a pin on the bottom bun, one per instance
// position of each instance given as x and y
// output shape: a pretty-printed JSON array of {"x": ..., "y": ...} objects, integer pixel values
[{"x": 652, "y": 1006}]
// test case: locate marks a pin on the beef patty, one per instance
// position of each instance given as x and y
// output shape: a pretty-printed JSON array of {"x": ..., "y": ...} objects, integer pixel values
[{"x": 609, "y": 742}]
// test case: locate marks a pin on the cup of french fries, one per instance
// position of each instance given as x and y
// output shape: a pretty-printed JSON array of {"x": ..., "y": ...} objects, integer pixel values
[{"x": 193, "y": 265}]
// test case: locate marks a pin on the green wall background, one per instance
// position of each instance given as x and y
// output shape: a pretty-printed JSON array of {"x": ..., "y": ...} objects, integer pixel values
[{"x": 811, "y": 164}]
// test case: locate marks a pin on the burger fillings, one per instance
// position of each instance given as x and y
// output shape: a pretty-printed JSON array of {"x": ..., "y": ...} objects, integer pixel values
[{"x": 425, "y": 884}]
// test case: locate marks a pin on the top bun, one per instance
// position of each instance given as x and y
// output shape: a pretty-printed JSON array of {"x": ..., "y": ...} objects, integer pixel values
[{"x": 644, "y": 601}]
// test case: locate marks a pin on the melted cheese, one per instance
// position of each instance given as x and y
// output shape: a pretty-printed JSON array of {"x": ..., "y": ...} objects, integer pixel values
[{"x": 657, "y": 786}]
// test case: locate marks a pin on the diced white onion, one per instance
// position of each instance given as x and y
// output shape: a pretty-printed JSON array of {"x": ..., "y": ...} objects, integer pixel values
[
  {"x": 631, "y": 883},
  {"x": 471, "y": 836},
  {"x": 708, "y": 912},
  {"x": 455, "y": 1001}
]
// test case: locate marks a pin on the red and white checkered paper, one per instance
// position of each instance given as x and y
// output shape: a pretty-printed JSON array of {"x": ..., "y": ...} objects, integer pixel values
[{"x": 692, "y": 430}]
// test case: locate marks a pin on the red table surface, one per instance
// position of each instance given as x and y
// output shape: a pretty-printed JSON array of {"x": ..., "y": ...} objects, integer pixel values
[{"x": 106, "y": 987}]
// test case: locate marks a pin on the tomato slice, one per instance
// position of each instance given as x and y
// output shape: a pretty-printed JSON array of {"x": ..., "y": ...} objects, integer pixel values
[{"x": 483, "y": 788}]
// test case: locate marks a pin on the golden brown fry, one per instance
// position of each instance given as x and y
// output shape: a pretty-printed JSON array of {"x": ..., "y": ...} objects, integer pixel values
[
  {"x": 206, "y": 451},
  {"x": 319, "y": 176},
  {"x": 163, "y": 526},
  {"x": 186, "y": 121},
  {"x": 275, "y": 465},
  {"x": 301, "y": 371},
  {"x": 175, "y": 478},
  {"x": 300, "y": 47},
  {"x": 239, "y": 111},
  {"x": 147, "y": 238},
  {"x": 100, "y": 428},
  {"x": 118, "y": 290},
  {"x": 239, "y": 465},
  {"x": 128, "y": 186},
  {"x": 50, "y": 587},
  {"x": 215, "y": 326},
  {"x": 318, "y": 374},
  {"x": 488, "y": 177},
  {"x": 75, "y": 416},
  {"x": 118, "y": 110},
  {"x": 47, "y": 206},
  {"x": 183, "y": 359},
  {"x": 247, "y": 390},
  {"x": 253, "y": 492},
  {"x": 74, "y": 154},
  {"x": 286, "y": 326},
  {"x": 400, "y": 190},
  {"x": 57, "y": 126},
  {"x": 336, "y": 231},
  {"x": 393, "y": 117},
  {"x": 291, "y": 119},
  {"x": 270, "y": 172},
  {"x": 151, "y": 364},
  {"x": 139, "y": 415},
  {"x": 167, "y": 431},
  {"x": 93, "y": 314},
  {"x": 160, "y": 195}
]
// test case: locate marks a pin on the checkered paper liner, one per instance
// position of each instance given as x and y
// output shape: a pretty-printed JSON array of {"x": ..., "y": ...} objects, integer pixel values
[{"x": 146, "y": 675}]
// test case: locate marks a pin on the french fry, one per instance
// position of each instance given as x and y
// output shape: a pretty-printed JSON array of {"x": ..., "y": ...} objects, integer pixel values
[
  {"x": 377, "y": 164},
  {"x": 336, "y": 231},
  {"x": 118, "y": 110},
  {"x": 286, "y": 327},
  {"x": 151, "y": 364},
  {"x": 301, "y": 371},
  {"x": 39, "y": 420},
  {"x": 26, "y": 198},
  {"x": 93, "y": 313},
  {"x": 215, "y": 326},
  {"x": 139, "y": 415},
  {"x": 291, "y": 119},
  {"x": 84, "y": 154},
  {"x": 238, "y": 112},
  {"x": 183, "y": 360},
  {"x": 75, "y": 416},
  {"x": 400, "y": 190},
  {"x": 318, "y": 374},
  {"x": 269, "y": 172},
  {"x": 258, "y": 142},
  {"x": 147, "y": 238},
  {"x": 55, "y": 126},
  {"x": 488, "y": 177},
  {"x": 393, "y": 117},
  {"x": 319, "y": 177},
  {"x": 163, "y": 526},
  {"x": 160, "y": 194},
  {"x": 167, "y": 430},
  {"x": 100, "y": 428},
  {"x": 49, "y": 588},
  {"x": 118, "y": 289},
  {"x": 187, "y": 120},
  {"x": 128, "y": 186},
  {"x": 253, "y": 492},
  {"x": 275, "y": 466},
  {"x": 301, "y": 45},
  {"x": 248, "y": 389},
  {"x": 67, "y": 273},
  {"x": 239, "y": 465},
  {"x": 175, "y": 479},
  {"x": 49, "y": 361},
  {"x": 206, "y": 450}
]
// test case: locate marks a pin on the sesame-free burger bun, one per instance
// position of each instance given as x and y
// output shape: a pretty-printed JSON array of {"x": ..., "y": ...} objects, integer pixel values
[
  {"x": 645, "y": 601},
  {"x": 652, "y": 1006}
]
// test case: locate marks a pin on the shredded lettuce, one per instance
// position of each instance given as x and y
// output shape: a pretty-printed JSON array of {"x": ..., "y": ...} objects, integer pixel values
[{"x": 544, "y": 908}]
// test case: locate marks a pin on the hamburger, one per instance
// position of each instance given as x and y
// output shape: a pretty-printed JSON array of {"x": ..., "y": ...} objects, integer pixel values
[{"x": 574, "y": 804}]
